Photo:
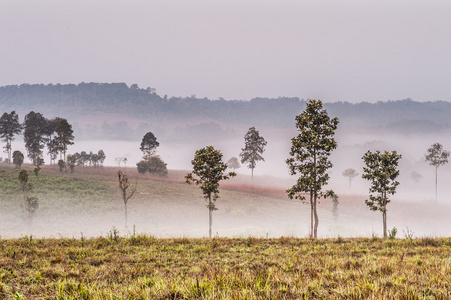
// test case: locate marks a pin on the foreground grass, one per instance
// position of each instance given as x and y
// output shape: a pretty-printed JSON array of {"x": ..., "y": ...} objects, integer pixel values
[{"x": 142, "y": 267}]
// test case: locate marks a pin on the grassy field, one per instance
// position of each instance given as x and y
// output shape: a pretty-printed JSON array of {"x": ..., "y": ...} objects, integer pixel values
[
  {"x": 143, "y": 267},
  {"x": 87, "y": 252}
]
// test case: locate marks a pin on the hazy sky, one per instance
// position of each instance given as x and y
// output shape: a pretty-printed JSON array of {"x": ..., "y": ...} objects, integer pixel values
[{"x": 361, "y": 50}]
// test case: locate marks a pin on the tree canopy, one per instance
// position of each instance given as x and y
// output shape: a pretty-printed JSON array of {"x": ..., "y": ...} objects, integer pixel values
[
  {"x": 254, "y": 146},
  {"x": 381, "y": 170},
  {"x": 9, "y": 127},
  {"x": 208, "y": 171},
  {"x": 310, "y": 151}
]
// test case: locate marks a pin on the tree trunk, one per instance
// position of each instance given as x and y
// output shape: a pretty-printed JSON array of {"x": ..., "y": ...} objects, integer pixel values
[
  {"x": 252, "y": 175},
  {"x": 125, "y": 206},
  {"x": 210, "y": 219},
  {"x": 384, "y": 216},
  {"x": 210, "y": 216},
  {"x": 311, "y": 216},
  {"x": 436, "y": 198},
  {"x": 315, "y": 231}
]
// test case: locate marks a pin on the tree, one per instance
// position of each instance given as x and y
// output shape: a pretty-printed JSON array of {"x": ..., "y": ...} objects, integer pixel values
[
  {"x": 49, "y": 131},
  {"x": 18, "y": 159},
  {"x": 254, "y": 146},
  {"x": 34, "y": 125},
  {"x": 149, "y": 144},
  {"x": 124, "y": 185},
  {"x": 64, "y": 137},
  {"x": 208, "y": 168},
  {"x": 350, "y": 173},
  {"x": 381, "y": 170},
  {"x": 101, "y": 157},
  {"x": 72, "y": 161},
  {"x": 437, "y": 157},
  {"x": 152, "y": 164},
  {"x": 9, "y": 126},
  {"x": 233, "y": 163},
  {"x": 415, "y": 176},
  {"x": 31, "y": 205},
  {"x": 119, "y": 160},
  {"x": 310, "y": 151}
]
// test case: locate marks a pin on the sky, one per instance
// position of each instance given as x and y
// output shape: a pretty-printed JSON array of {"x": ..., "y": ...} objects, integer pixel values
[{"x": 348, "y": 50}]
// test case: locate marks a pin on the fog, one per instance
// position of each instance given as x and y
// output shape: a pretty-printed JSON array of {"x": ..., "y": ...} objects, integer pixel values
[{"x": 265, "y": 212}]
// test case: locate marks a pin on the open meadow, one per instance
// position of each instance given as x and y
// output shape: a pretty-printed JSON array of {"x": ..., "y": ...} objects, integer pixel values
[
  {"x": 143, "y": 267},
  {"x": 79, "y": 248}
]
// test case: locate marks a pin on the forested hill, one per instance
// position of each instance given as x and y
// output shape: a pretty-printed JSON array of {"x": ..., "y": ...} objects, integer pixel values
[{"x": 72, "y": 100}]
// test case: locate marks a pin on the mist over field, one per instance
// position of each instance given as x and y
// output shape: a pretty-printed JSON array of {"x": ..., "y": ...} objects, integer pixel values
[{"x": 261, "y": 208}]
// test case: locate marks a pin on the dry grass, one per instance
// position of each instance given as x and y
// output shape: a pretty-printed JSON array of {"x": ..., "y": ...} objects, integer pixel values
[{"x": 142, "y": 267}]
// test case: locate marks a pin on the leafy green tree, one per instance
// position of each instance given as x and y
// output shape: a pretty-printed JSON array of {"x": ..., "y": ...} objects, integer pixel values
[
  {"x": 208, "y": 171},
  {"x": 149, "y": 144},
  {"x": 152, "y": 164},
  {"x": 436, "y": 157},
  {"x": 23, "y": 178},
  {"x": 64, "y": 137},
  {"x": 9, "y": 127},
  {"x": 310, "y": 151},
  {"x": 254, "y": 146},
  {"x": 233, "y": 163},
  {"x": 34, "y": 125},
  {"x": 124, "y": 185},
  {"x": 350, "y": 173},
  {"x": 381, "y": 170},
  {"x": 18, "y": 159},
  {"x": 61, "y": 165},
  {"x": 72, "y": 161}
]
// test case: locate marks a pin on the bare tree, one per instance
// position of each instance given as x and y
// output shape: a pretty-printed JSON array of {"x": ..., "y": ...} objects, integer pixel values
[
  {"x": 124, "y": 185},
  {"x": 437, "y": 157}
]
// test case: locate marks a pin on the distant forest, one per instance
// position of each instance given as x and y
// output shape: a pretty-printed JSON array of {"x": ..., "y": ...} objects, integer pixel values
[{"x": 70, "y": 100}]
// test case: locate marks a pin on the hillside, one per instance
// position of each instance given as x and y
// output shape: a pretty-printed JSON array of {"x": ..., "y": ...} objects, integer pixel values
[
  {"x": 89, "y": 99},
  {"x": 88, "y": 203}
]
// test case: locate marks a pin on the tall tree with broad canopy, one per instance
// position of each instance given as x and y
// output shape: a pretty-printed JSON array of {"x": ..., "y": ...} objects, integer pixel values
[
  {"x": 310, "y": 151},
  {"x": 35, "y": 126},
  {"x": 208, "y": 171},
  {"x": 9, "y": 127},
  {"x": 350, "y": 173},
  {"x": 64, "y": 137},
  {"x": 436, "y": 157},
  {"x": 254, "y": 146},
  {"x": 381, "y": 170},
  {"x": 149, "y": 144}
]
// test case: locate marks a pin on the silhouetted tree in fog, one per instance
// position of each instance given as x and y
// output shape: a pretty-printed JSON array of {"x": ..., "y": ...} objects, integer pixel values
[
  {"x": 151, "y": 162},
  {"x": 381, "y": 170},
  {"x": 310, "y": 151},
  {"x": 350, "y": 173},
  {"x": 437, "y": 157},
  {"x": 34, "y": 130},
  {"x": 64, "y": 137},
  {"x": 149, "y": 144},
  {"x": 208, "y": 171},
  {"x": 254, "y": 146},
  {"x": 233, "y": 163},
  {"x": 9, "y": 127}
]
